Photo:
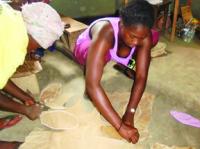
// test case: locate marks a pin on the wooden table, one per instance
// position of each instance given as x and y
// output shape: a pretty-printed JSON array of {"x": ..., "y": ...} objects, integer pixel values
[{"x": 176, "y": 8}]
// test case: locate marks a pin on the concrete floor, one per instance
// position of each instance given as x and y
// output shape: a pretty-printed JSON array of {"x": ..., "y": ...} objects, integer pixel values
[{"x": 173, "y": 80}]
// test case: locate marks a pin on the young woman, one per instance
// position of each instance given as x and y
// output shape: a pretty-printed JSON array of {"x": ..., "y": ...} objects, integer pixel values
[{"x": 118, "y": 39}]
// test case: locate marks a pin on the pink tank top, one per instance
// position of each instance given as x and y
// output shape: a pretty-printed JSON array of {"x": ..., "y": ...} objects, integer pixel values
[{"x": 84, "y": 40}]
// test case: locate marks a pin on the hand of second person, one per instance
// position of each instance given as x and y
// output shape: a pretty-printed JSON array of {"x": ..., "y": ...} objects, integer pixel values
[
  {"x": 29, "y": 102},
  {"x": 129, "y": 133}
]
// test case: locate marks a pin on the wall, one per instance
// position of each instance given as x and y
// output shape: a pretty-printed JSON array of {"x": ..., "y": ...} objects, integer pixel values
[
  {"x": 196, "y": 8},
  {"x": 85, "y": 8}
]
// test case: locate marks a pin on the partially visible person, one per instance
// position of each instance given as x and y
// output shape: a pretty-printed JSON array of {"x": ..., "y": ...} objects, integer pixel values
[
  {"x": 118, "y": 39},
  {"x": 9, "y": 145},
  {"x": 38, "y": 25},
  {"x": 17, "y": 4},
  {"x": 9, "y": 121}
]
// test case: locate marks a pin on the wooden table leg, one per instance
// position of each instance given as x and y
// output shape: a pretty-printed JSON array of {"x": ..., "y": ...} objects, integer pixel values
[
  {"x": 176, "y": 8},
  {"x": 125, "y": 2},
  {"x": 166, "y": 9}
]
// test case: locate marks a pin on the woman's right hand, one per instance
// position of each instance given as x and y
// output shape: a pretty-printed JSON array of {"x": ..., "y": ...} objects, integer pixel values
[{"x": 129, "y": 133}]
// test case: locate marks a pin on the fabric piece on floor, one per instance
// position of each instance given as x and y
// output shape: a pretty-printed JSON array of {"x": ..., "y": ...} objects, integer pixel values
[
  {"x": 162, "y": 146},
  {"x": 77, "y": 139},
  {"x": 185, "y": 118},
  {"x": 59, "y": 120},
  {"x": 29, "y": 67},
  {"x": 31, "y": 84},
  {"x": 109, "y": 131},
  {"x": 92, "y": 130},
  {"x": 159, "y": 50}
]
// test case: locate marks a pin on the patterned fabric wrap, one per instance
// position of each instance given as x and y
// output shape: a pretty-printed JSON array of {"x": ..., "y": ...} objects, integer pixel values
[{"x": 43, "y": 23}]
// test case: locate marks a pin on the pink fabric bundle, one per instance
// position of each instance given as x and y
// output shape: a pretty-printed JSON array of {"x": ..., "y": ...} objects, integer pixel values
[
  {"x": 185, "y": 118},
  {"x": 155, "y": 36}
]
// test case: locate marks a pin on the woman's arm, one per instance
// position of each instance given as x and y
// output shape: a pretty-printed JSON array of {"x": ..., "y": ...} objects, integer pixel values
[
  {"x": 142, "y": 65},
  {"x": 18, "y": 93},
  {"x": 102, "y": 41},
  {"x": 96, "y": 60}
]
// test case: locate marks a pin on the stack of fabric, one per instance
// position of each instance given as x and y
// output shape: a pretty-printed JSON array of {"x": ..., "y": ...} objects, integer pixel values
[{"x": 159, "y": 50}]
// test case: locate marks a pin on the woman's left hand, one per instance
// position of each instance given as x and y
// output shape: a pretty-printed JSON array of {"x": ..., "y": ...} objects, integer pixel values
[{"x": 128, "y": 119}]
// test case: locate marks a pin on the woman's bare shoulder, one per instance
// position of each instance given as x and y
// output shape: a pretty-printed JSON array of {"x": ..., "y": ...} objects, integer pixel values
[{"x": 102, "y": 28}]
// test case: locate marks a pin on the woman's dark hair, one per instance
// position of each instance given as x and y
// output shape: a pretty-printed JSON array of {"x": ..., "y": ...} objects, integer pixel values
[{"x": 138, "y": 12}]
